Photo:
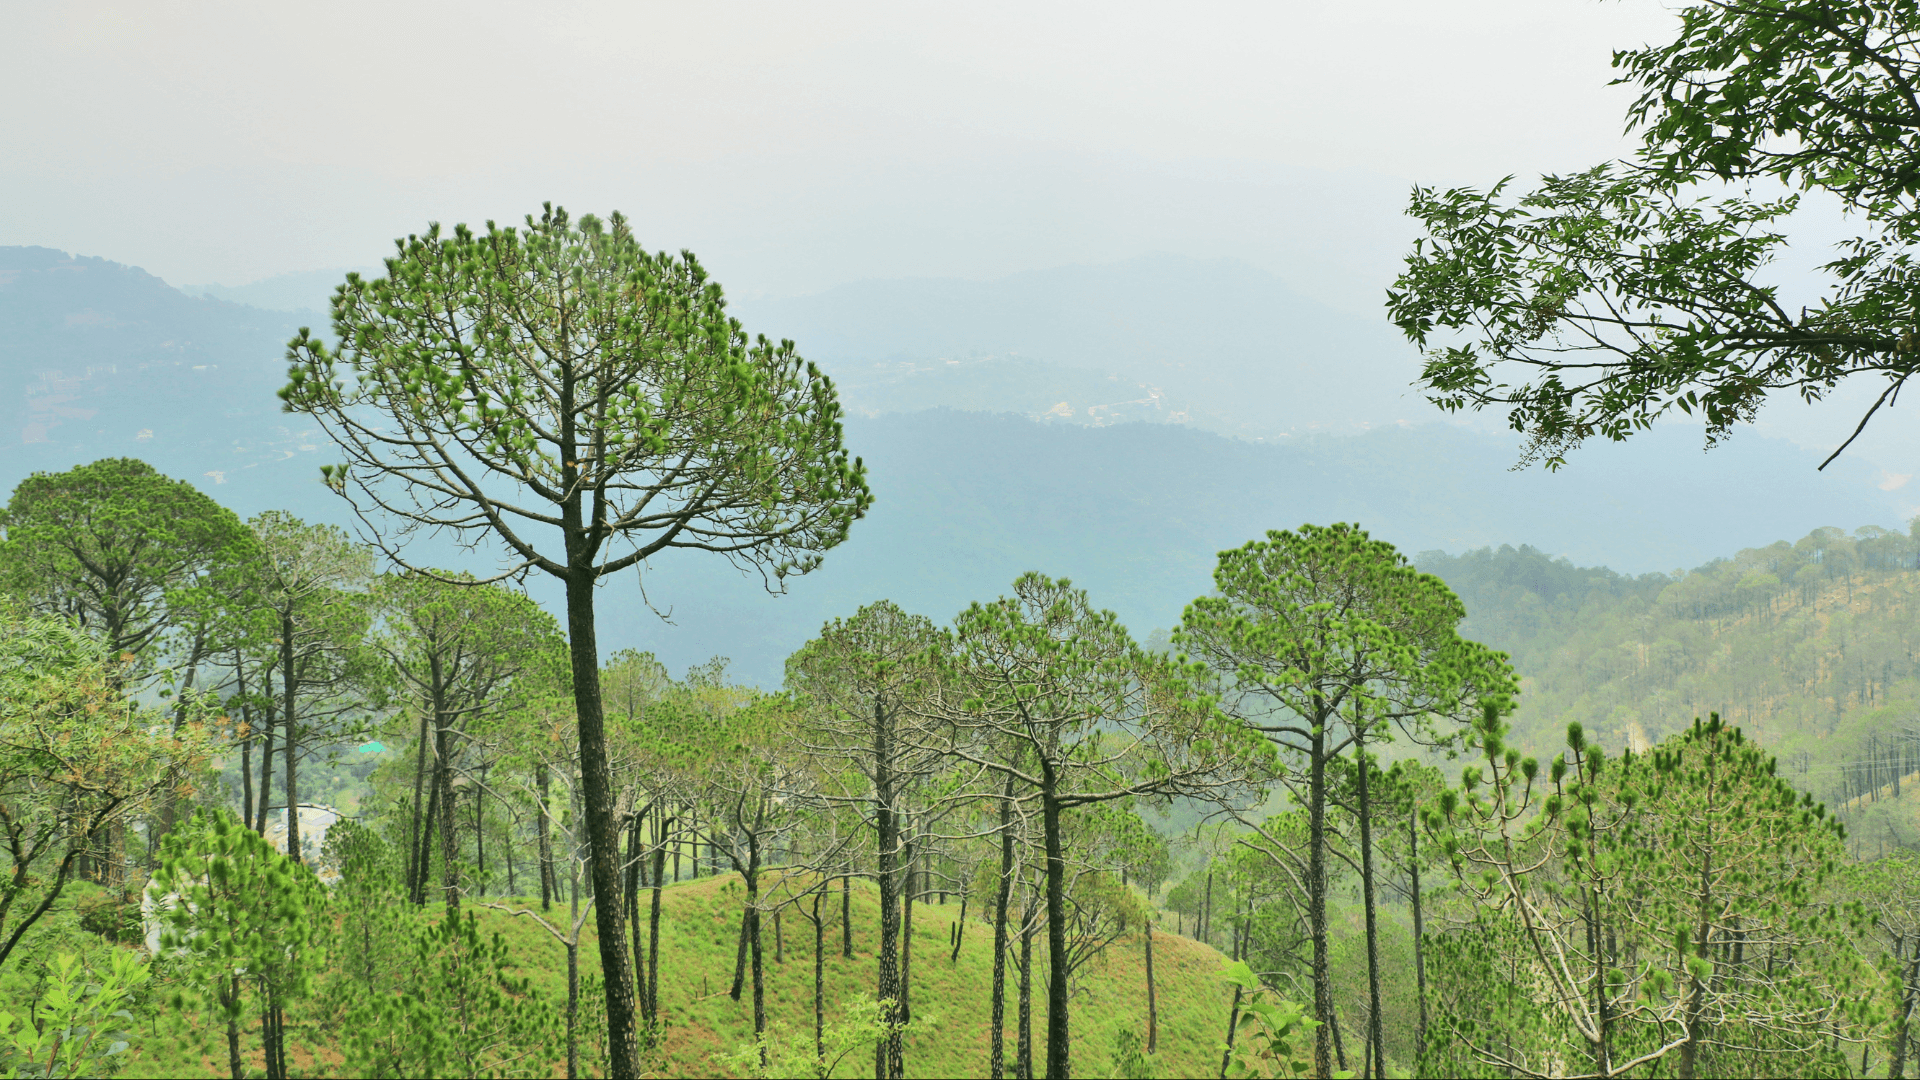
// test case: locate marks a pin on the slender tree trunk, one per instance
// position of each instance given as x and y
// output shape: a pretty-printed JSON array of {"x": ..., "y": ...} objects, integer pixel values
[
  {"x": 573, "y": 1003},
  {"x": 416, "y": 869},
  {"x": 1153, "y": 1002},
  {"x": 1903, "y": 1026},
  {"x": 428, "y": 830},
  {"x": 906, "y": 938},
  {"x": 1697, "y": 1000},
  {"x": 290, "y": 741},
  {"x": 1419, "y": 936},
  {"x": 1023, "y": 1047},
  {"x": 266, "y": 759},
  {"x": 443, "y": 780},
  {"x": 819, "y": 984},
  {"x": 597, "y": 777},
  {"x": 246, "y": 744},
  {"x": 230, "y": 1003},
  {"x": 635, "y": 856},
  {"x": 1059, "y": 1059},
  {"x": 890, "y": 1053},
  {"x": 740, "y": 955},
  {"x": 996, "y": 1048},
  {"x": 548, "y": 886},
  {"x": 1206, "y": 912},
  {"x": 959, "y": 929},
  {"x": 846, "y": 916},
  {"x": 1376, "y": 1039},
  {"x": 653, "y": 919},
  {"x": 1323, "y": 1035},
  {"x": 759, "y": 968}
]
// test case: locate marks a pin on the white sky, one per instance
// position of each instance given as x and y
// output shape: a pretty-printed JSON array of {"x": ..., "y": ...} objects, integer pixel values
[{"x": 794, "y": 146}]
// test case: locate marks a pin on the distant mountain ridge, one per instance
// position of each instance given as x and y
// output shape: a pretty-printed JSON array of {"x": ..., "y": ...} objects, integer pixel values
[
  {"x": 1224, "y": 345},
  {"x": 99, "y": 360}
]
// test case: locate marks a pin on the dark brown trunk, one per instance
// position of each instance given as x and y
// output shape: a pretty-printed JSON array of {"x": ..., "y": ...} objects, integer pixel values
[
  {"x": 1903, "y": 1028},
  {"x": 443, "y": 770},
  {"x": 416, "y": 868},
  {"x": 1376, "y": 1039},
  {"x": 602, "y": 840},
  {"x": 548, "y": 886},
  {"x": 653, "y": 924},
  {"x": 1023, "y": 1043},
  {"x": 1419, "y": 936},
  {"x": 1323, "y": 1036},
  {"x": 819, "y": 985},
  {"x": 996, "y": 1047},
  {"x": 290, "y": 740},
  {"x": 636, "y": 856},
  {"x": 740, "y": 955},
  {"x": 846, "y": 916},
  {"x": 1153, "y": 1002},
  {"x": 759, "y": 968},
  {"x": 230, "y": 1002},
  {"x": 1059, "y": 1056},
  {"x": 890, "y": 1053},
  {"x": 959, "y": 929},
  {"x": 906, "y": 941}
]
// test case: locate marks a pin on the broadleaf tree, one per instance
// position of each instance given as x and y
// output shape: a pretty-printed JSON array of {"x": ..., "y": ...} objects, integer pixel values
[
  {"x": 1601, "y": 300},
  {"x": 586, "y": 405}
]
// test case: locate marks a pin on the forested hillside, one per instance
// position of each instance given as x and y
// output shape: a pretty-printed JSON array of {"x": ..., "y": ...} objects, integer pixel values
[{"x": 1807, "y": 645}]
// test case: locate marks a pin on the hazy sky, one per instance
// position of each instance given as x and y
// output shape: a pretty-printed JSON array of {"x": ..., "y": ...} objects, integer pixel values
[{"x": 795, "y": 145}]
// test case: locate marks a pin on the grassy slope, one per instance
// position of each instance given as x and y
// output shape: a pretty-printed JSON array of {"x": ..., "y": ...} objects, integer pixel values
[{"x": 700, "y": 922}]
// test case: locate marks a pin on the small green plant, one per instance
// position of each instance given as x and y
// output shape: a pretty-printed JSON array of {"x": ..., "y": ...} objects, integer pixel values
[
  {"x": 1130, "y": 1058},
  {"x": 1273, "y": 1036},
  {"x": 79, "y": 1027},
  {"x": 781, "y": 1052}
]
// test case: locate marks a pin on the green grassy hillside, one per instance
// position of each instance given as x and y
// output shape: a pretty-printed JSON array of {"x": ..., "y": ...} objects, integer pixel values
[{"x": 704, "y": 1025}]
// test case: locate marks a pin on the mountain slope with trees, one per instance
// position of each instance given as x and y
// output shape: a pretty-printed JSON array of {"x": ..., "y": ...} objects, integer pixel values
[{"x": 1808, "y": 646}]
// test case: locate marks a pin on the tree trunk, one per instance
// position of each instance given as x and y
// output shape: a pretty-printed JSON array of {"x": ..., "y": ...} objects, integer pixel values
[
  {"x": 759, "y": 968},
  {"x": 635, "y": 856},
  {"x": 1376, "y": 1039},
  {"x": 548, "y": 886},
  {"x": 290, "y": 740},
  {"x": 443, "y": 779},
  {"x": 1059, "y": 1060},
  {"x": 573, "y": 1007},
  {"x": 653, "y": 919},
  {"x": 740, "y": 955},
  {"x": 246, "y": 744},
  {"x": 597, "y": 777},
  {"x": 846, "y": 916},
  {"x": 996, "y": 1047},
  {"x": 427, "y": 833},
  {"x": 959, "y": 929},
  {"x": 819, "y": 984},
  {"x": 1023, "y": 1047},
  {"x": 416, "y": 868},
  {"x": 906, "y": 939},
  {"x": 1206, "y": 911},
  {"x": 1419, "y": 937},
  {"x": 230, "y": 1004},
  {"x": 1153, "y": 1002},
  {"x": 890, "y": 1053},
  {"x": 1903, "y": 1029},
  {"x": 1323, "y": 1035}
]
